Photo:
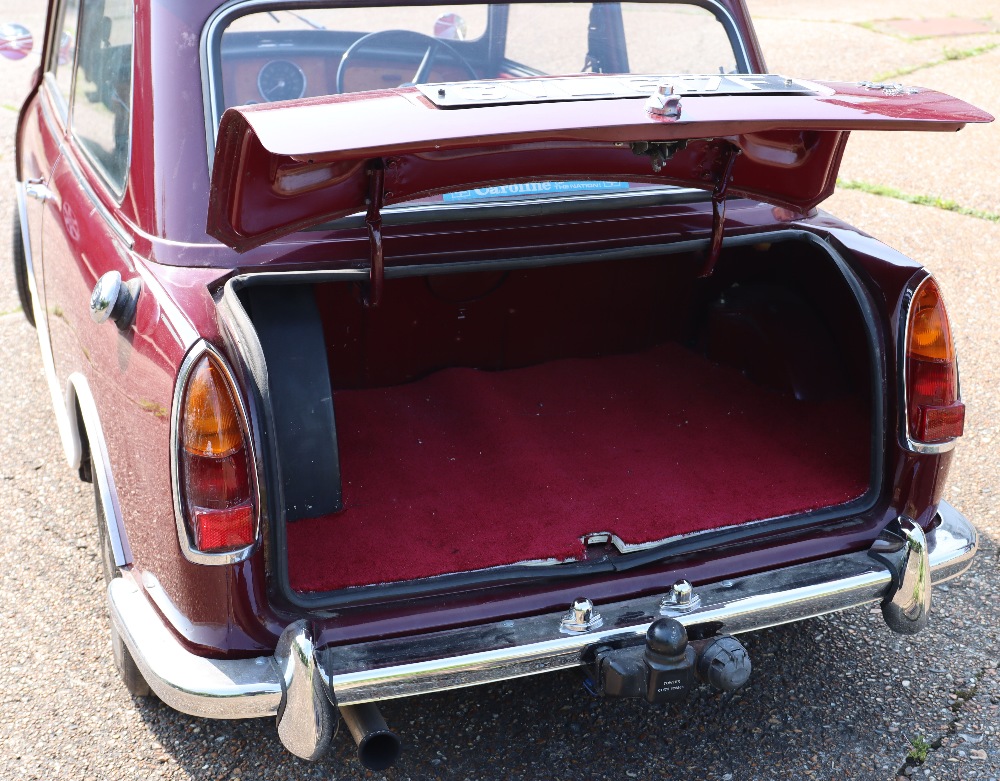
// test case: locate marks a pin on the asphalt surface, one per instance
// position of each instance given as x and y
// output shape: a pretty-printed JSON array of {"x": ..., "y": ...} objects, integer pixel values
[{"x": 834, "y": 698}]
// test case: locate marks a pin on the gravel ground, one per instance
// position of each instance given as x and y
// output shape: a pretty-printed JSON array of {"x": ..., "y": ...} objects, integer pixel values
[{"x": 834, "y": 698}]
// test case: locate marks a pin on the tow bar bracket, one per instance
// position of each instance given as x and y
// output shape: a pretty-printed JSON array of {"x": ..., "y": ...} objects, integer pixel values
[{"x": 667, "y": 666}]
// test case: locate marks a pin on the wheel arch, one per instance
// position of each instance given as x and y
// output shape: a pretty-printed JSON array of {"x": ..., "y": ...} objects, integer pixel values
[{"x": 88, "y": 435}]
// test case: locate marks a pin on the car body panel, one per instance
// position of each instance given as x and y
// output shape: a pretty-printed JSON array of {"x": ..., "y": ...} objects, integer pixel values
[
  {"x": 123, "y": 381},
  {"x": 281, "y": 168}
]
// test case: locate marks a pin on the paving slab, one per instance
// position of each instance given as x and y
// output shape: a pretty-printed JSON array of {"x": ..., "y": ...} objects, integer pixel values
[
  {"x": 865, "y": 10},
  {"x": 940, "y": 27},
  {"x": 963, "y": 167},
  {"x": 838, "y": 51}
]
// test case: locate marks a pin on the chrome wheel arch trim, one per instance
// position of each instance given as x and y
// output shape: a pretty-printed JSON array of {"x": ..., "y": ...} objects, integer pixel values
[
  {"x": 76, "y": 396},
  {"x": 79, "y": 397}
]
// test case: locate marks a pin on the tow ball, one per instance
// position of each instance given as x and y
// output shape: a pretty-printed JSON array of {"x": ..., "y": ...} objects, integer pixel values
[{"x": 667, "y": 666}]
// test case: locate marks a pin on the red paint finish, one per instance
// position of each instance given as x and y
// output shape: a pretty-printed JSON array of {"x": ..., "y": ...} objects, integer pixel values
[
  {"x": 385, "y": 122},
  {"x": 281, "y": 169},
  {"x": 711, "y": 565},
  {"x": 235, "y": 610}
]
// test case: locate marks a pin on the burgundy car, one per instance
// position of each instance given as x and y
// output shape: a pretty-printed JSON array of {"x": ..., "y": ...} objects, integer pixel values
[{"x": 417, "y": 347}]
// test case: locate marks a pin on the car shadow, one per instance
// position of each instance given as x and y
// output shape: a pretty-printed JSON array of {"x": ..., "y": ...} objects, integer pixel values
[{"x": 838, "y": 696}]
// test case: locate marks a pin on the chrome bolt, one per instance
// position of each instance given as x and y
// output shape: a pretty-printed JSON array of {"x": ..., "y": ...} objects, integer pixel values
[
  {"x": 581, "y": 617},
  {"x": 679, "y": 600},
  {"x": 682, "y": 591}
]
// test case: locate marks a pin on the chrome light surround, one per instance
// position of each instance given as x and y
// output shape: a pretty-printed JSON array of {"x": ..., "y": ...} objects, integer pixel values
[
  {"x": 191, "y": 553},
  {"x": 903, "y": 362}
]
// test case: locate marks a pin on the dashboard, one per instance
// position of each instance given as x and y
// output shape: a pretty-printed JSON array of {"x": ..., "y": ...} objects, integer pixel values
[{"x": 266, "y": 70}]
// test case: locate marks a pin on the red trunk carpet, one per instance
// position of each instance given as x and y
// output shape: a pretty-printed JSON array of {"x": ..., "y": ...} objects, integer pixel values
[{"x": 466, "y": 469}]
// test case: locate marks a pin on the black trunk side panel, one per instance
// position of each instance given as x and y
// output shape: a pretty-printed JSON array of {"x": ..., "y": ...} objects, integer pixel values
[{"x": 291, "y": 335}]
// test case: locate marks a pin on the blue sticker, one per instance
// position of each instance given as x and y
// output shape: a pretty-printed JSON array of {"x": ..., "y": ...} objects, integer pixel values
[{"x": 533, "y": 189}]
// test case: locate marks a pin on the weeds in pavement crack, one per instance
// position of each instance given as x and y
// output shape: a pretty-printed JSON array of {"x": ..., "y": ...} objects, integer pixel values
[
  {"x": 944, "y": 204},
  {"x": 920, "y": 747},
  {"x": 950, "y": 55}
]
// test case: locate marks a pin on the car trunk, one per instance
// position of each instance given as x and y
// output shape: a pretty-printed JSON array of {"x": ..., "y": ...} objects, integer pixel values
[
  {"x": 556, "y": 414},
  {"x": 512, "y": 419}
]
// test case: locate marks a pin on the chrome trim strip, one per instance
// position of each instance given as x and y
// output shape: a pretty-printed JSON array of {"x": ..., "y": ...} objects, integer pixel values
[
  {"x": 904, "y": 363},
  {"x": 533, "y": 645},
  {"x": 191, "y": 553},
  {"x": 58, "y": 129},
  {"x": 79, "y": 396},
  {"x": 22, "y": 215},
  {"x": 212, "y": 688},
  {"x": 406, "y": 666},
  {"x": 56, "y": 97}
]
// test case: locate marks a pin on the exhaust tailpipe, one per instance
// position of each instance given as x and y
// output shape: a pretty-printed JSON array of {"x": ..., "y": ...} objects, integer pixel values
[{"x": 378, "y": 746}]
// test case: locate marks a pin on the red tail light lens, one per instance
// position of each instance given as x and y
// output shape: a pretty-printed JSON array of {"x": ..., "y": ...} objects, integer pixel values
[
  {"x": 934, "y": 411},
  {"x": 215, "y": 465}
]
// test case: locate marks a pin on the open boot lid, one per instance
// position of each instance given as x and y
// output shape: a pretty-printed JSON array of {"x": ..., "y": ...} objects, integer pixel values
[{"x": 284, "y": 167}]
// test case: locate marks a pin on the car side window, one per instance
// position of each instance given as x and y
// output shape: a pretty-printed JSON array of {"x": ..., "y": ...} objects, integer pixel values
[
  {"x": 102, "y": 98},
  {"x": 61, "y": 65}
]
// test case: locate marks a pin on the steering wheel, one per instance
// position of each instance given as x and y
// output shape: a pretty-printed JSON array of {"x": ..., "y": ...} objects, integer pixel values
[{"x": 405, "y": 40}]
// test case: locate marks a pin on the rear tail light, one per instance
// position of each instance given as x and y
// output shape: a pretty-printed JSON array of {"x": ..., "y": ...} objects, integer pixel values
[
  {"x": 934, "y": 411},
  {"x": 215, "y": 468}
]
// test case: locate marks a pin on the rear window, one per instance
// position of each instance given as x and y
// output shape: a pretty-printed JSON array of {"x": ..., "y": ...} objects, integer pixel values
[{"x": 300, "y": 52}]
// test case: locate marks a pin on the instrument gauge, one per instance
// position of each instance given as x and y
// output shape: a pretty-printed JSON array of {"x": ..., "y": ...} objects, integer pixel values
[{"x": 281, "y": 80}]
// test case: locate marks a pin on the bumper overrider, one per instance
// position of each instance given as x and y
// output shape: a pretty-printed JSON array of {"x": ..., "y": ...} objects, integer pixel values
[{"x": 306, "y": 687}]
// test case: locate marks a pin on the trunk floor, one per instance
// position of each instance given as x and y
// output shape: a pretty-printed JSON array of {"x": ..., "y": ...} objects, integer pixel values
[{"x": 466, "y": 469}]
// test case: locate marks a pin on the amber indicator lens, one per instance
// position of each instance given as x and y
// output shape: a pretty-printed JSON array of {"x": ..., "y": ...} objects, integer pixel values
[
  {"x": 930, "y": 333},
  {"x": 215, "y": 463},
  {"x": 934, "y": 411},
  {"x": 211, "y": 420}
]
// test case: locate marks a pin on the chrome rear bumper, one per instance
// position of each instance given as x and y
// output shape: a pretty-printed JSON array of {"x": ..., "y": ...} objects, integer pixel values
[{"x": 408, "y": 666}]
